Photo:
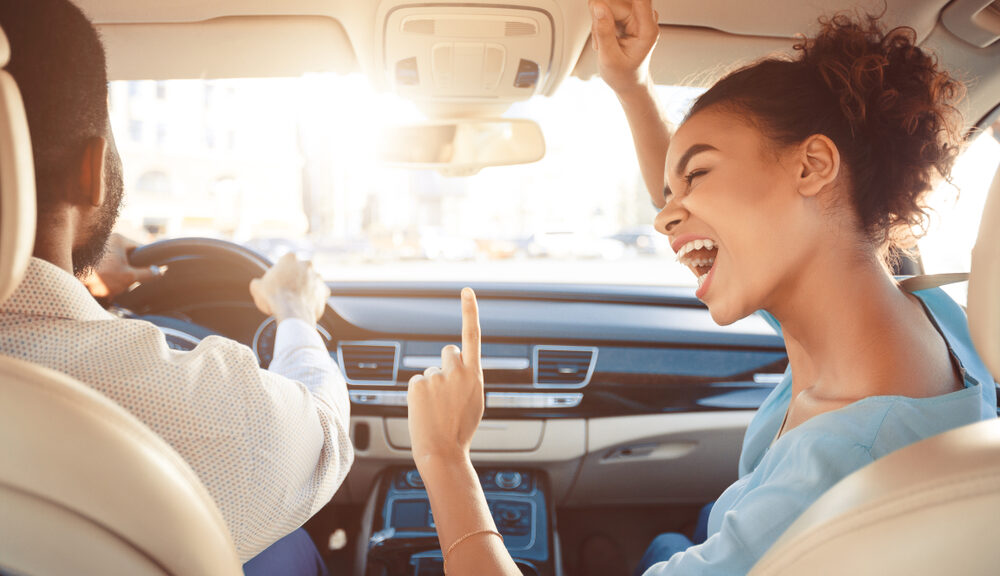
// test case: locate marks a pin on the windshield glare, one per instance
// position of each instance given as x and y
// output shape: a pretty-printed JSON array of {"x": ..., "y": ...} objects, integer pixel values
[{"x": 291, "y": 165}]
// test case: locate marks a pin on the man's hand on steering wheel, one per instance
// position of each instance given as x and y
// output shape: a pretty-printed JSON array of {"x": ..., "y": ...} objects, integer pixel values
[
  {"x": 291, "y": 289},
  {"x": 115, "y": 274}
]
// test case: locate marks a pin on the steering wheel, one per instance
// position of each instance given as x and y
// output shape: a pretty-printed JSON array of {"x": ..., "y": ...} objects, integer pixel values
[
  {"x": 180, "y": 250},
  {"x": 202, "y": 267}
]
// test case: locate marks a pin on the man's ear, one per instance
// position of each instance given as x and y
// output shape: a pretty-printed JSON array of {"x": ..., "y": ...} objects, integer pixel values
[
  {"x": 819, "y": 164},
  {"x": 90, "y": 185}
]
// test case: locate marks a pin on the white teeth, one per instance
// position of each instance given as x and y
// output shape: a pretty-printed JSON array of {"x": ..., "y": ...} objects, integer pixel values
[
  {"x": 699, "y": 262},
  {"x": 701, "y": 280},
  {"x": 701, "y": 243}
]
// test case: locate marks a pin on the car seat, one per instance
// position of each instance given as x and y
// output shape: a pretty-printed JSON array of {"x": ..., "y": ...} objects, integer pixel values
[
  {"x": 85, "y": 487},
  {"x": 930, "y": 508}
]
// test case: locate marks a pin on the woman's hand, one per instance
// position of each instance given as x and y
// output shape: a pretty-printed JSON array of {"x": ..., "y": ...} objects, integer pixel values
[
  {"x": 624, "y": 33},
  {"x": 446, "y": 404}
]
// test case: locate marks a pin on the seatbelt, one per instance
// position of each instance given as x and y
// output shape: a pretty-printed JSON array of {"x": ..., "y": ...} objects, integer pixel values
[{"x": 927, "y": 281}]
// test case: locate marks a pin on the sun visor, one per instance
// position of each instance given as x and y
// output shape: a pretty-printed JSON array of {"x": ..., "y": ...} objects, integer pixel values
[
  {"x": 488, "y": 54},
  {"x": 974, "y": 21},
  {"x": 227, "y": 47}
]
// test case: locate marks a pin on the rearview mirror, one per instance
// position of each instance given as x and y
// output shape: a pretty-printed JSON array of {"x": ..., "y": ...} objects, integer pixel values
[{"x": 462, "y": 147}]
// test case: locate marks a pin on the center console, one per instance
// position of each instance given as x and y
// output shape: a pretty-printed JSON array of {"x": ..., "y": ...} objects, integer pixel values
[{"x": 404, "y": 539}]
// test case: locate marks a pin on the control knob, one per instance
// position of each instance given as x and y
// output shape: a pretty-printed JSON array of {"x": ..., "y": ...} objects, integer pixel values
[
  {"x": 508, "y": 480},
  {"x": 510, "y": 515}
]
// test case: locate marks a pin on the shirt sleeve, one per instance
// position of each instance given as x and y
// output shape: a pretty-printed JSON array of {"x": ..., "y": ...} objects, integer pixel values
[
  {"x": 300, "y": 355},
  {"x": 778, "y": 492},
  {"x": 280, "y": 449}
]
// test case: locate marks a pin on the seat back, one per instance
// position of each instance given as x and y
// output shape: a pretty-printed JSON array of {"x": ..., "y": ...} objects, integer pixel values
[
  {"x": 984, "y": 282},
  {"x": 930, "y": 508},
  {"x": 17, "y": 182},
  {"x": 85, "y": 487}
]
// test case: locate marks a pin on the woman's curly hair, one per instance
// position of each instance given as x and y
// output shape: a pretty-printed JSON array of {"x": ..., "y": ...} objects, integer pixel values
[{"x": 886, "y": 103}]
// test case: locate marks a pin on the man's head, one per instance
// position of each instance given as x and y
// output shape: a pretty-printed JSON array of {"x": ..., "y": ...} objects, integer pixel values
[{"x": 58, "y": 62}]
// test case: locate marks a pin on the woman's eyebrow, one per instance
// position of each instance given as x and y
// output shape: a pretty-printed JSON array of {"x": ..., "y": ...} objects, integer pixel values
[{"x": 689, "y": 153}]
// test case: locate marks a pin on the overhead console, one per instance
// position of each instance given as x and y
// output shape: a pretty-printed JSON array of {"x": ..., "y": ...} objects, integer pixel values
[{"x": 484, "y": 55}]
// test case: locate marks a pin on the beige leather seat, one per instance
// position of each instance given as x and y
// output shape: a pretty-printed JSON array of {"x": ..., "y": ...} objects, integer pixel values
[
  {"x": 931, "y": 508},
  {"x": 85, "y": 488}
]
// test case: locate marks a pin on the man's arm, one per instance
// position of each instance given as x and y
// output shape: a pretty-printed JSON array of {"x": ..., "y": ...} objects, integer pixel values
[
  {"x": 300, "y": 355},
  {"x": 296, "y": 296},
  {"x": 624, "y": 33},
  {"x": 303, "y": 445}
]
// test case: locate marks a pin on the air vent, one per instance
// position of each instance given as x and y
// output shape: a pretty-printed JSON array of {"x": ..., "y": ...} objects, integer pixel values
[
  {"x": 564, "y": 366},
  {"x": 369, "y": 363},
  {"x": 514, "y": 28}
]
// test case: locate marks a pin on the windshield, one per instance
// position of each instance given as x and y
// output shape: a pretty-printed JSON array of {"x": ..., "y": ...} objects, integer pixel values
[{"x": 291, "y": 164}]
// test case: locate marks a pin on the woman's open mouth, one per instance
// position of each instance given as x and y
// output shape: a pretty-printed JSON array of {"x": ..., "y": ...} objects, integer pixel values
[{"x": 699, "y": 255}]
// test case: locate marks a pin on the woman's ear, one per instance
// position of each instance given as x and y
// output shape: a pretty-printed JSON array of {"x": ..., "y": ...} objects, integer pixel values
[
  {"x": 90, "y": 185},
  {"x": 819, "y": 161}
]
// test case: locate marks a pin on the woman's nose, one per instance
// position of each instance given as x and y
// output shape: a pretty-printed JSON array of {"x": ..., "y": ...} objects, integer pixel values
[{"x": 669, "y": 217}]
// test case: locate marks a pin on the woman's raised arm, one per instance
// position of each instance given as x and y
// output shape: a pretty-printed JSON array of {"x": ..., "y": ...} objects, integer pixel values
[{"x": 624, "y": 33}]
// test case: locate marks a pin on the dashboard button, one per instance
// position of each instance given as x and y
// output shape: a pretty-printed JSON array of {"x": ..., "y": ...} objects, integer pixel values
[{"x": 414, "y": 480}]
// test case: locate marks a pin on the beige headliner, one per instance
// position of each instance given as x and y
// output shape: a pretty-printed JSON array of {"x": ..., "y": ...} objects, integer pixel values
[
  {"x": 760, "y": 18},
  {"x": 700, "y": 39}
]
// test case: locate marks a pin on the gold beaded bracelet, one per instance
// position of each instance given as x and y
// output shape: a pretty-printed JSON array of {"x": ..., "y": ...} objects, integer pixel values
[{"x": 444, "y": 566}]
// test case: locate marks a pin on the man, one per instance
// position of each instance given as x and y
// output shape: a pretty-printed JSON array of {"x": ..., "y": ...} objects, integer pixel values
[{"x": 271, "y": 446}]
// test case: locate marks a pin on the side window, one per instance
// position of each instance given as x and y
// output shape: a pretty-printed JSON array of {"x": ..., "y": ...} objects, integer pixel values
[{"x": 958, "y": 207}]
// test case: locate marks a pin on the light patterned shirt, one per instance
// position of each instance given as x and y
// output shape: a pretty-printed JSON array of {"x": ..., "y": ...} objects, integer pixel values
[{"x": 271, "y": 446}]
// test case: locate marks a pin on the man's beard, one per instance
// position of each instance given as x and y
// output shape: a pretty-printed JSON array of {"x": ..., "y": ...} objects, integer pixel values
[{"x": 89, "y": 255}]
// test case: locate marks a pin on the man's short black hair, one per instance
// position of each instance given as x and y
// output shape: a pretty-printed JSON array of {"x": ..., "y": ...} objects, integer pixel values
[{"x": 58, "y": 62}]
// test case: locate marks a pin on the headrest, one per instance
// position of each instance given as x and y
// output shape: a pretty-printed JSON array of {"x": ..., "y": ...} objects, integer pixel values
[
  {"x": 4, "y": 49},
  {"x": 17, "y": 183},
  {"x": 984, "y": 283}
]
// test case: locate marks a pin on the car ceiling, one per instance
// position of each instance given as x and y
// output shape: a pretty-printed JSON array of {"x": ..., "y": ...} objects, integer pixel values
[{"x": 700, "y": 39}]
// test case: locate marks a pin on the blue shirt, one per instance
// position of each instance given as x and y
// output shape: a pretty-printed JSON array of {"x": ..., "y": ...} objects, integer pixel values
[{"x": 779, "y": 481}]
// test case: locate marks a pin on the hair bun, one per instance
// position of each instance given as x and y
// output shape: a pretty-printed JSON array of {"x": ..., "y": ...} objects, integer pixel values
[
  {"x": 884, "y": 102},
  {"x": 878, "y": 76},
  {"x": 897, "y": 101}
]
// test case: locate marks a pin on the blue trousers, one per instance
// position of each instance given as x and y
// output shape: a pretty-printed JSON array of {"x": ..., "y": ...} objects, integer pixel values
[
  {"x": 293, "y": 555},
  {"x": 666, "y": 545}
]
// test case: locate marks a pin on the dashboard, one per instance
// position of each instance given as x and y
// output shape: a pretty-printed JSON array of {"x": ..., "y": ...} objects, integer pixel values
[
  {"x": 547, "y": 350},
  {"x": 619, "y": 394}
]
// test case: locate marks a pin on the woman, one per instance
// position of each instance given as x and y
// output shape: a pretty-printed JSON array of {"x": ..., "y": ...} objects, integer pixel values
[{"x": 788, "y": 186}]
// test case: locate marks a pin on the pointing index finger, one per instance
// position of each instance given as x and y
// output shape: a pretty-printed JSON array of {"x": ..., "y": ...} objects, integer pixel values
[{"x": 470, "y": 330}]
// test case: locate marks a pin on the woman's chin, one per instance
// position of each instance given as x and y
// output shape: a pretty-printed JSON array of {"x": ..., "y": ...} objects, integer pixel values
[
  {"x": 721, "y": 318},
  {"x": 725, "y": 313}
]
